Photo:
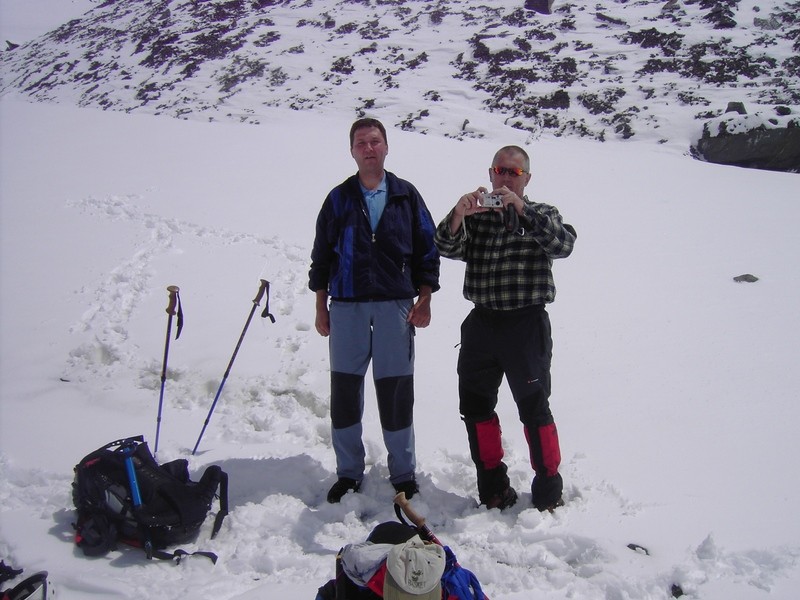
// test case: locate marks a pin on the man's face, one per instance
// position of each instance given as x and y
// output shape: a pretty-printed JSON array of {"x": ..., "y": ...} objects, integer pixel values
[
  {"x": 369, "y": 149},
  {"x": 513, "y": 161}
]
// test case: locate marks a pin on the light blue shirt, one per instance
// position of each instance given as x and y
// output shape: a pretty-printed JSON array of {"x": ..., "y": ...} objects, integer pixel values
[{"x": 376, "y": 202}]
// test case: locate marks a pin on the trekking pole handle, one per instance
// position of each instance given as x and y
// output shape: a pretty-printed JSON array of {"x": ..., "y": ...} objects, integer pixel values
[
  {"x": 401, "y": 501},
  {"x": 262, "y": 288},
  {"x": 419, "y": 522},
  {"x": 173, "y": 298}
]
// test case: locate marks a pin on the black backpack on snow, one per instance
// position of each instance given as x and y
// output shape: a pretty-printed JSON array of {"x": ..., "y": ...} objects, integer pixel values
[{"x": 122, "y": 493}]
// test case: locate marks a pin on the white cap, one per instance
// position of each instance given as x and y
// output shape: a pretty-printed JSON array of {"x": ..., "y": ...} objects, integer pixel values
[{"x": 414, "y": 571}]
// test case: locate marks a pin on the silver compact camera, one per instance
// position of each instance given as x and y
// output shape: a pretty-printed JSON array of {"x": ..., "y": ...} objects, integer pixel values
[{"x": 491, "y": 201}]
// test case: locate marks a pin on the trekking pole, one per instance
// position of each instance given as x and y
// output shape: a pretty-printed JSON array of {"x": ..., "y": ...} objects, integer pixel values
[
  {"x": 174, "y": 301},
  {"x": 263, "y": 288}
]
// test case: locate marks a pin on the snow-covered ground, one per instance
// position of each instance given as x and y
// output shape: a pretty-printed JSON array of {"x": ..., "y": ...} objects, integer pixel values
[{"x": 674, "y": 387}]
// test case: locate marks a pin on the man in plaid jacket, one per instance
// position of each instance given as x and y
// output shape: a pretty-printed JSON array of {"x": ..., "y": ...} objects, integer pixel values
[{"x": 508, "y": 244}]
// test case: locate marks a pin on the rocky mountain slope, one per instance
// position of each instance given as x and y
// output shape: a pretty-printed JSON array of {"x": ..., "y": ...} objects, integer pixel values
[{"x": 643, "y": 69}]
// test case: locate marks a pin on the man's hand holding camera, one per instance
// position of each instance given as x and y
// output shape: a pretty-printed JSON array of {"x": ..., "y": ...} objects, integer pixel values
[{"x": 482, "y": 201}]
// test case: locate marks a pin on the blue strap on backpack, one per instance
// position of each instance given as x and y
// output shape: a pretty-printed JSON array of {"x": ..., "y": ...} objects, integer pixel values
[{"x": 458, "y": 582}]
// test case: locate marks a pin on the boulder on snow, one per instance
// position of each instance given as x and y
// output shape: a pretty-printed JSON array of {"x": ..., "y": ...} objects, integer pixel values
[
  {"x": 544, "y": 7},
  {"x": 737, "y": 107},
  {"x": 746, "y": 278},
  {"x": 756, "y": 141}
]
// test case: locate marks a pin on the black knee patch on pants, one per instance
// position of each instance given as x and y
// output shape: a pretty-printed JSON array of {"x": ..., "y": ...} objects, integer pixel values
[
  {"x": 346, "y": 400},
  {"x": 395, "y": 401}
]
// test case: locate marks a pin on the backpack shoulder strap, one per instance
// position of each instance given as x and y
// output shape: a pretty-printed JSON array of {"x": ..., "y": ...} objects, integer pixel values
[{"x": 223, "y": 503}]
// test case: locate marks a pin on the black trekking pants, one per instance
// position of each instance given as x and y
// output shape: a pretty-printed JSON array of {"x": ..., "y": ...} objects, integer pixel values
[{"x": 518, "y": 345}]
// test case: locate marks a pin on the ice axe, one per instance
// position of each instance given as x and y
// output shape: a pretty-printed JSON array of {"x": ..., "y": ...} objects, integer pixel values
[
  {"x": 173, "y": 307},
  {"x": 262, "y": 290}
]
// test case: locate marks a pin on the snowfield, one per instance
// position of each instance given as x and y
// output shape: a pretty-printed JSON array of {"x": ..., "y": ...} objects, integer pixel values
[{"x": 674, "y": 387}]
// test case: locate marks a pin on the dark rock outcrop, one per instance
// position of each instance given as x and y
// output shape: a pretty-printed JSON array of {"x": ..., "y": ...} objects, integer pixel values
[
  {"x": 752, "y": 141},
  {"x": 544, "y": 7}
]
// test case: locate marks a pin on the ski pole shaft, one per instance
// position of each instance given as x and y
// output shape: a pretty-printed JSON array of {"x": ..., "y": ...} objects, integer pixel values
[
  {"x": 173, "y": 302},
  {"x": 262, "y": 288},
  {"x": 256, "y": 302}
]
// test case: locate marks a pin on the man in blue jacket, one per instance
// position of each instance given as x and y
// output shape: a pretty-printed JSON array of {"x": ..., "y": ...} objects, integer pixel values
[{"x": 373, "y": 255}]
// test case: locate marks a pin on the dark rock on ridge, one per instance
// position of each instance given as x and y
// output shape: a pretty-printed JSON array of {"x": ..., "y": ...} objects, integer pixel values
[{"x": 743, "y": 140}]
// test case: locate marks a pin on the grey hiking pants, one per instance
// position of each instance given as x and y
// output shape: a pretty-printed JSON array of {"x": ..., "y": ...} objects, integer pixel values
[{"x": 377, "y": 332}]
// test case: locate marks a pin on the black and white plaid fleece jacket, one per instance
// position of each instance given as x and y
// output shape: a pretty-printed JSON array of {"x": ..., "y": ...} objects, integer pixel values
[{"x": 508, "y": 270}]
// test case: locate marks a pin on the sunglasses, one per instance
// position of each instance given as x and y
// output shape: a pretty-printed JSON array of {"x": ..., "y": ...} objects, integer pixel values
[{"x": 513, "y": 171}]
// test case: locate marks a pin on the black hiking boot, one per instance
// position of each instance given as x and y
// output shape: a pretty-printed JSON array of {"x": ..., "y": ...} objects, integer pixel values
[
  {"x": 546, "y": 492},
  {"x": 503, "y": 500},
  {"x": 551, "y": 507},
  {"x": 341, "y": 487},
  {"x": 409, "y": 488}
]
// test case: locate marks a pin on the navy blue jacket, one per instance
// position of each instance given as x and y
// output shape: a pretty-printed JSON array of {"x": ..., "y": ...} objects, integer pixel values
[{"x": 352, "y": 262}]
